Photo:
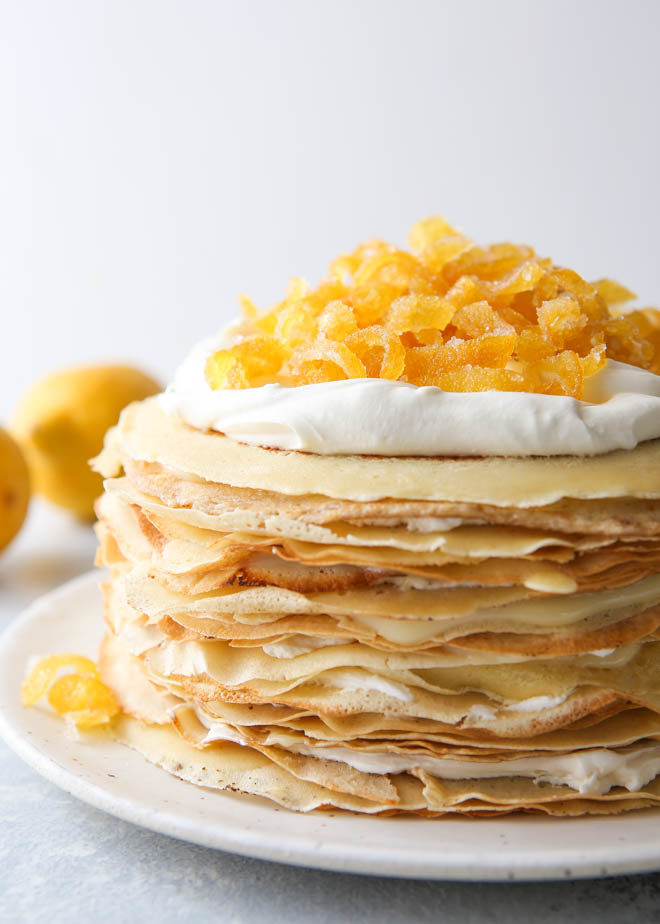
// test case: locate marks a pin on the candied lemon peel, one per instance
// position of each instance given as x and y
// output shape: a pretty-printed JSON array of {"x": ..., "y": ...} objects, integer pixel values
[
  {"x": 73, "y": 687},
  {"x": 448, "y": 313}
]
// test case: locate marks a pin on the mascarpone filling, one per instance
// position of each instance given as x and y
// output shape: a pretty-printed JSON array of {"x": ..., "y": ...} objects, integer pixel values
[{"x": 621, "y": 408}]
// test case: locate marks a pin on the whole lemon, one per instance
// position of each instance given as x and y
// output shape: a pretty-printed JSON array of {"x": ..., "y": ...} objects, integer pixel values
[
  {"x": 61, "y": 422},
  {"x": 14, "y": 488}
]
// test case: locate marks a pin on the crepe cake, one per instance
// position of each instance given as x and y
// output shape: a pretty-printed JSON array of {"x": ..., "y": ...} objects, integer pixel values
[{"x": 394, "y": 545}]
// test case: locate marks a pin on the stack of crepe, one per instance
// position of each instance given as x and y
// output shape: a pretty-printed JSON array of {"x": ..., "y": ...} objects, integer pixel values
[{"x": 384, "y": 635}]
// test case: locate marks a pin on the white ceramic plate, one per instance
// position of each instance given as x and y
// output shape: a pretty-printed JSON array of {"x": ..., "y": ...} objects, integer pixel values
[{"x": 119, "y": 781}]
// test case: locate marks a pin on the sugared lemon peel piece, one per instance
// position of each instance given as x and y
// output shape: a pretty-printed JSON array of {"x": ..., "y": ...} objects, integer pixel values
[
  {"x": 380, "y": 350},
  {"x": 324, "y": 360},
  {"x": 254, "y": 358},
  {"x": 446, "y": 312},
  {"x": 72, "y": 686},
  {"x": 613, "y": 293},
  {"x": 337, "y": 321}
]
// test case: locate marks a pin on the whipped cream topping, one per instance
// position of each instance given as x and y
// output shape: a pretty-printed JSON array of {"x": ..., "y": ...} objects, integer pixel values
[{"x": 621, "y": 408}]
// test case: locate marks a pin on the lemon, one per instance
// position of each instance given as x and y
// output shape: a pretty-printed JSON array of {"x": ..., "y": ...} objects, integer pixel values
[
  {"x": 14, "y": 488},
  {"x": 61, "y": 422}
]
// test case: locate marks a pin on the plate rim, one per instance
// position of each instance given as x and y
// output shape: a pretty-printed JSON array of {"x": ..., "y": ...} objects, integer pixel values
[{"x": 388, "y": 859}]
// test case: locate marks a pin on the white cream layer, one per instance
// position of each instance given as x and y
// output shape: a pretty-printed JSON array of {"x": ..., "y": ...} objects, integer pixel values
[
  {"x": 593, "y": 771},
  {"x": 381, "y": 417}
]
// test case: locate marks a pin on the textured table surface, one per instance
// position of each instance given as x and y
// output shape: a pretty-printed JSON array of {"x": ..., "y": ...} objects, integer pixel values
[{"x": 61, "y": 860}]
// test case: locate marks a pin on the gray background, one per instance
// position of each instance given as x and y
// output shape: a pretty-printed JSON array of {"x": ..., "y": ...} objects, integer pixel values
[{"x": 156, "y": 158}]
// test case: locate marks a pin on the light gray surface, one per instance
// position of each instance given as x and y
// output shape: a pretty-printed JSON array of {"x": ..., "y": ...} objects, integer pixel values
[{"x": 61, "y": 860}]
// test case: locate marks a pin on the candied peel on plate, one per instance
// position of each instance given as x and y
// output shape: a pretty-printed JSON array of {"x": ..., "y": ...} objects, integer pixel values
[
  {"x": 446, "y": 312},
  {"x": 72, "y": 686}
]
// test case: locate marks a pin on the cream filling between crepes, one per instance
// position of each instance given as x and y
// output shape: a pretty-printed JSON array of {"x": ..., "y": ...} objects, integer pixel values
[
  {"x": 543, "y": 612},
  {"x": 621, "y": 408},
  {"x": 593, "y": 771}
]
